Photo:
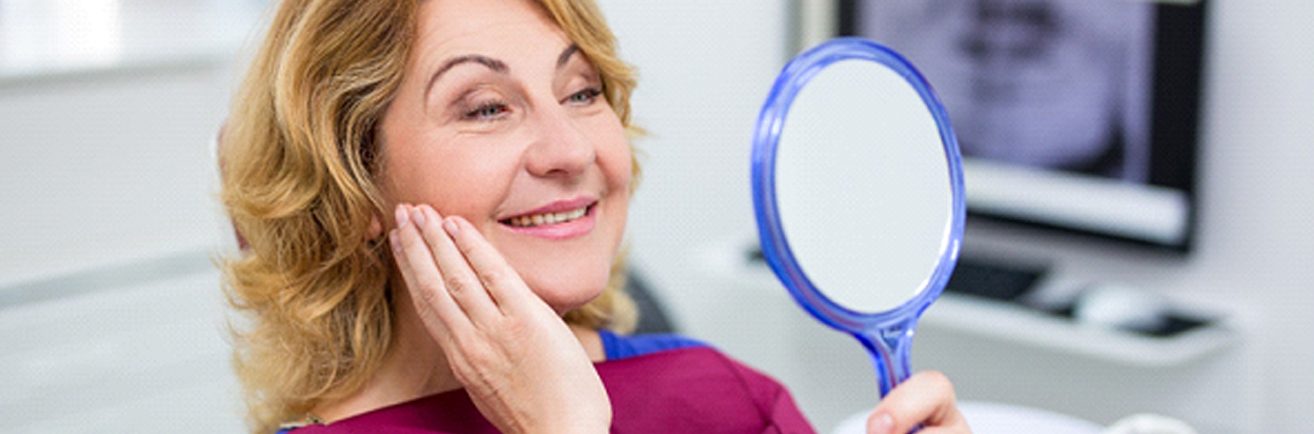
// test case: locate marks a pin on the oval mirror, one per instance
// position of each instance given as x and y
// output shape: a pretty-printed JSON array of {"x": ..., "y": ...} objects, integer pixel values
[{"x": 858, "y": 188}]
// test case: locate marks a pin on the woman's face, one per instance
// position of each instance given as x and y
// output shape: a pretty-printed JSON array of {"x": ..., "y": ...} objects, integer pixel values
[{"x": 500, "y": 120}]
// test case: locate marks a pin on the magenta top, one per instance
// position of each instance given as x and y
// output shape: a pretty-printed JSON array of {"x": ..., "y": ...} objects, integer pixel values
[{"x": 688, "y": 389}]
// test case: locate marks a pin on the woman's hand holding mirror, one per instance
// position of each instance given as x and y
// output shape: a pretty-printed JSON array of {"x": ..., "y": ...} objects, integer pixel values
[
  {"x": 515, "y": 356},
  {"x": 924, "y": 400}
]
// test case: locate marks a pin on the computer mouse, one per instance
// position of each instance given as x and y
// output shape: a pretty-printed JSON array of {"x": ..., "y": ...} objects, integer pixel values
[{"x": 1120, "y": 307}]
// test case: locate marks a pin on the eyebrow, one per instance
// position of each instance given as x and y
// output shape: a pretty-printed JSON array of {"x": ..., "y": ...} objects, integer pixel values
[
  {"x": 492, "y": 64},
  {"x": 565, "y": 55}
]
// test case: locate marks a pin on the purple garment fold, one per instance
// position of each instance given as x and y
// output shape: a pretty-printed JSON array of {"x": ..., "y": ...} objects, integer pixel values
[{"x": 687, "y": 390}]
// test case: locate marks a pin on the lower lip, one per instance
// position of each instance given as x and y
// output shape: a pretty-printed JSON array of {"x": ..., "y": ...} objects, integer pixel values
[{"x": 561, "y": 231}]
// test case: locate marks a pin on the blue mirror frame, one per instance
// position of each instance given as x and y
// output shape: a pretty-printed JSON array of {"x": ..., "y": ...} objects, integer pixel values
[{"x": 886, "y": 335}]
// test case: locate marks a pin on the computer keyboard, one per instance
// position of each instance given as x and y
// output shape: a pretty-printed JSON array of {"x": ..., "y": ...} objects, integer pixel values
[{"x": 992, "y": 279}]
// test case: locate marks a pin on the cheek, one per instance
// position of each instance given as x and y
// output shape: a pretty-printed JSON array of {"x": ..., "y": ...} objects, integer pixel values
[
  {"x": 617, "y": 160},
  {"x": 622, "y": 172},
  {"x": 615, "y": 154},
  {"x": 451, "y": 180}
]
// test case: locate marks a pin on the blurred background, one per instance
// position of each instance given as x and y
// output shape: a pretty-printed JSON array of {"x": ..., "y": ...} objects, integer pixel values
[{"x": 111, "y": 318}]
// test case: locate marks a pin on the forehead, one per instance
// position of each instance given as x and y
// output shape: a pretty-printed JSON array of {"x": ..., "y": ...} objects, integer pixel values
[{"x": 507, "y": 29}]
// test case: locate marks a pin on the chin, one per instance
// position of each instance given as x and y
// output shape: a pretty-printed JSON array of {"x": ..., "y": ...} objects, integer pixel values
[{"x": 567, "y": 294}]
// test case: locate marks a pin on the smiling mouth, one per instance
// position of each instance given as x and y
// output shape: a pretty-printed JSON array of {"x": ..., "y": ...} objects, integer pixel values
[{"x": 548, "y": 218}]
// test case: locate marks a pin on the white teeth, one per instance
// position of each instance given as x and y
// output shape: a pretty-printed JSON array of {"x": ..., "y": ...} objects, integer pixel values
[{"x": 548, "y": 218}]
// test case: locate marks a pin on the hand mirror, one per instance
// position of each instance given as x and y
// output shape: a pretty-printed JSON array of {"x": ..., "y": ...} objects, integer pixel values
[{"x": 858, "y": 189}]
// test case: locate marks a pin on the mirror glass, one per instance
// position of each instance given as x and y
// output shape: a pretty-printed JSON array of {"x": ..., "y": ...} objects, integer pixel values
[{"x": 863, "y": 186}]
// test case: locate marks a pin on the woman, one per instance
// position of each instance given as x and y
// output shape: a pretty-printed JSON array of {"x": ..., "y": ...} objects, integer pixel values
[{"x": 433, "y": 194}]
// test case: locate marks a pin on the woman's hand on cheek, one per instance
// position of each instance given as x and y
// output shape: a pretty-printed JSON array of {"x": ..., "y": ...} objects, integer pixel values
[
  {"x": 520, "y": 363},
  {"x": 926, "y": 399}
]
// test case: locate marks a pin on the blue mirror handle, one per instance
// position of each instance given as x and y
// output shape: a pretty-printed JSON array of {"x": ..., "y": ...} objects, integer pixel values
[{"x": 890, "y": 348}]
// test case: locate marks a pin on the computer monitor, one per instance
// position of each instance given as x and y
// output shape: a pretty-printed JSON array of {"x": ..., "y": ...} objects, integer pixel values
[{"x": 1075, "y": 115}]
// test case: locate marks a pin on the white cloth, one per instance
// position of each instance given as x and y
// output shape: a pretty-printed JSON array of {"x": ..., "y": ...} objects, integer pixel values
[{"x": 997, "y": 418}]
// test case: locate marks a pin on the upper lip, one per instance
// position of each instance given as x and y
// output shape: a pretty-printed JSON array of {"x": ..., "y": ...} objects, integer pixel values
[{"x": 556, "y": 206}]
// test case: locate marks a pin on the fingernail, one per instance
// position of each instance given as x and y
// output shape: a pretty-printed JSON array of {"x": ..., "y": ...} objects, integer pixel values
[
  {"x": 883, "y": 424},
  {"x": 418, "y": 216},
  {"x": 401, "y": 215},
  {"x": 451, "y": 226}
]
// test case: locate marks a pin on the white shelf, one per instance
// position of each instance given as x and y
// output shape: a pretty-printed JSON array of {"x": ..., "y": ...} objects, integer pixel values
[
  {"x": 1022, "y": 325},
  {"x": 727, "y": 261}
]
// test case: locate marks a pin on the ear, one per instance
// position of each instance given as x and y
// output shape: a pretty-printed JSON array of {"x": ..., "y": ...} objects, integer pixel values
[{"x": 376, "y": 227}]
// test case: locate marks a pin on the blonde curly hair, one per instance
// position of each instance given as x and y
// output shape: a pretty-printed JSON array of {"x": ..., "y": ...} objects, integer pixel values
[{"x": 299, "y": 156}]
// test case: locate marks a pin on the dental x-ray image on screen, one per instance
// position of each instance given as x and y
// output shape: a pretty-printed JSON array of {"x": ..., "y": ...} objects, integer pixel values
[
  {"x": 1053, "y": 84},
  {"x": 1072, "y": 114}
]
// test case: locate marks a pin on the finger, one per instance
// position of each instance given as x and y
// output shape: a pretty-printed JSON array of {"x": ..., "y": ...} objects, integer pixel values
[
  {"x": 435, "y": 306},
  {"x": 428, "y": 314},
  {"x": 926, "y": 398},
  {"x": 461, "y": 281},
  {"x": 502, "y": 281}
]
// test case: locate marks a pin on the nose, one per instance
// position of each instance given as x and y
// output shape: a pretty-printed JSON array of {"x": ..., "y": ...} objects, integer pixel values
[{"x": 560, "y": 148}]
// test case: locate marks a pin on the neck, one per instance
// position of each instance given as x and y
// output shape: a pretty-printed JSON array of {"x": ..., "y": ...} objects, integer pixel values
[{"x": 415, "y": 367}]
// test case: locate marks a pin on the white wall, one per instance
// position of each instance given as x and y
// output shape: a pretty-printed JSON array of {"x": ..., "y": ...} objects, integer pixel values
[
  {"x": 705, "y": 68},
  {"x": 107, "y": 168},
  {"x": 111, "y": 317}
]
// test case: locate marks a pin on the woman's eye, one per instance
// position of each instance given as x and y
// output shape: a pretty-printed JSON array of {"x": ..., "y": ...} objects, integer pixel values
[
  {"x": 487, "y": 111},
  {"x": 585, "y": 97}
]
